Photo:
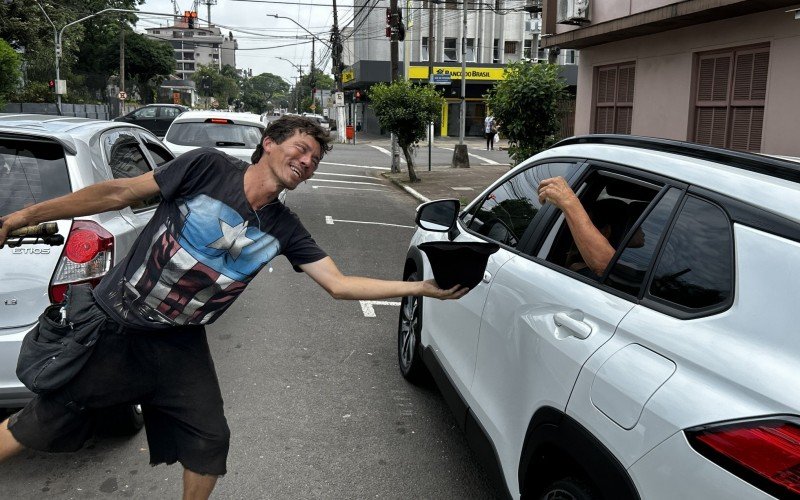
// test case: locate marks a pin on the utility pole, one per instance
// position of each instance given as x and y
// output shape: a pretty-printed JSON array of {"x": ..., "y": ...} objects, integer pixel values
[
  {"x": 121, "y": 65},
  {"x": 431, "y": 53},
  {"x": 460, "y": 155},
  {"x": 336, "y": 48},
  {"x": 312, "y": 79},
  {"x": 393, "y": 49}
]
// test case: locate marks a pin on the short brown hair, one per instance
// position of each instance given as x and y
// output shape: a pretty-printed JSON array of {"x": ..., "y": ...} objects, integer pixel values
[{"x": 286, "y": 126}]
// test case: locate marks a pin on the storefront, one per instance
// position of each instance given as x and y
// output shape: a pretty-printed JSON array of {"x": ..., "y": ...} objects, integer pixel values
[{"x": 480, "y": 78}]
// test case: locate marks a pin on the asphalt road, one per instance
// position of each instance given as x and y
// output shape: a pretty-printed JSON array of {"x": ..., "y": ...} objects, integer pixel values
[{"x": 313, "y": 395}]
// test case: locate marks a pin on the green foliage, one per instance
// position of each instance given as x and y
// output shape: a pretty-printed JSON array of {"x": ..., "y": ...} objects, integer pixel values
[
  {"x": 406, "y": 110},
  {"x": 24, "y": 26},
  {"x": 9, "y": 71},
  {"x": 525, "y": 106},
  {"x": 258, "y": 91},
  {"x": 147, "y": 62},
  {"x": 223, "y": 88}
]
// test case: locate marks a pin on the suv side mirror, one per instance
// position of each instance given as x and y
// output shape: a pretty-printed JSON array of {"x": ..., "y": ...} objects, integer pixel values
[{"x": 439, "y": 216}]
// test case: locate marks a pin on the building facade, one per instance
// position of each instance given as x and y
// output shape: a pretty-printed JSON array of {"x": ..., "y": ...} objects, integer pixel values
[
  {"x": 497, "y": 33},
  {"x": 194, "y": 46},
  {"x": 716, "y": 72}
]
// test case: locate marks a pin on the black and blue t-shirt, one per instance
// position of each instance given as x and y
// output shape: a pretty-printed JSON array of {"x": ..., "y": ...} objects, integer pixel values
[{"x": 202, "y": 247}]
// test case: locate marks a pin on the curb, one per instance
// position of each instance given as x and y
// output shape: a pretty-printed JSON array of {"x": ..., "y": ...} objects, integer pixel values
[{"x": 408, "y": 190}]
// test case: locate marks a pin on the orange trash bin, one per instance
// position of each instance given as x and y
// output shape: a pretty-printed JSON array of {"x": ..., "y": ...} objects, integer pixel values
[{"x": 350, "y": 132}]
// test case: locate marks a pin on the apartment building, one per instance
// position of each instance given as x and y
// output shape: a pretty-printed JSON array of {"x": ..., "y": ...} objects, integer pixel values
[
  {"x": 717, "y": 72},
  {"x": 193, "y": 46},
  {"x": 497, "y": 32}
]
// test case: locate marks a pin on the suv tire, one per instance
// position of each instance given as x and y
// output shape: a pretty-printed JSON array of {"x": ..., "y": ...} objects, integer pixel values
[
  {"x": 568, "y": 488},
  {"x": 409, "y": 351}
]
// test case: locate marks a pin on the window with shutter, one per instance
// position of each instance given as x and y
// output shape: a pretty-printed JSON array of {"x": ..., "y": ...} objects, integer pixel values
[
  {"x": 730, "y": 98},
  {"x": 614, "y": 86}
]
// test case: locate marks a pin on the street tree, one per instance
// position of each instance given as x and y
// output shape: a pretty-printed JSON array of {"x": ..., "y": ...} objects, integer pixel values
[
  {"x": 9, "y": 71},
  {"x": 147, "y": 63},
  {"x": 211, "y": 82},
  {"x": 525, "y": 106},
  {"x": 406, "y": 110},
  {"x": 258, "y": 91}
]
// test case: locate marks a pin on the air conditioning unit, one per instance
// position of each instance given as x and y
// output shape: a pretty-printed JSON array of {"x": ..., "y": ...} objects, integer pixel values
[{"x": 573, "y": 12}]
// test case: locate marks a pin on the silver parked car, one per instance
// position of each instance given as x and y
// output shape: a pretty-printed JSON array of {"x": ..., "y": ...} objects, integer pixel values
[
  {"x": 42, "y": 157},
  {"x": 673, "y": 374}
]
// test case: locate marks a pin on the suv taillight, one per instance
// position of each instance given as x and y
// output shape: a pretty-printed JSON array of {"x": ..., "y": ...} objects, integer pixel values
[
  {"x": 87, "y": 257},
  {"x": 765, "y": 453}
]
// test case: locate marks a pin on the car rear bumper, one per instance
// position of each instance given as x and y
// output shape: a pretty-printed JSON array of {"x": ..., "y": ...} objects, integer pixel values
[{"x": 12, "y": 393}]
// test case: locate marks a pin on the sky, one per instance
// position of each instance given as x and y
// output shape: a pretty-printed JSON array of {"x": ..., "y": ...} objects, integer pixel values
[{"x": 263, "y": 39}]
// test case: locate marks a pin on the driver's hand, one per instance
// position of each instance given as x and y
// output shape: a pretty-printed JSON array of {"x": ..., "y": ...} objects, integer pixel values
[
  {"x": 556, "y": 191},
  {"x": 431, "y": 289}
]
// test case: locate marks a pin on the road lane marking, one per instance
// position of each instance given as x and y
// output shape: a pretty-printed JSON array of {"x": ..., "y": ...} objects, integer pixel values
[
  {"x": 345, "y": 175},
  {"x": 348, "y": 182},
  {"x": 351, "y": 165},
  {"x": 330, "y": 220},
  {"x": 368, "y": 309},
  {"x": 487, "y": 160},
  {"x": 386, "y": 151},
  {"x": 351, "y": 189}
]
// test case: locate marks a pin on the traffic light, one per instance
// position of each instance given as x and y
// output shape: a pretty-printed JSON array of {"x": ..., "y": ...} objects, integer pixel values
[
  {"x": 388, "y": 22},
  {"x": 51, "y": 84},
  {"x": 357, "y": 95}
]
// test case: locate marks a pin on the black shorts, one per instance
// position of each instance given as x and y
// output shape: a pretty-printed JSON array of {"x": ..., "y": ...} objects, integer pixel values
[{"x": 170, "y": 373}]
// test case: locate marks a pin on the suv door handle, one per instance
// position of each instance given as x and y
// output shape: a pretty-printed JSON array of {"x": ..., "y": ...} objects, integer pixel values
[{"x": 578, "y": 328}]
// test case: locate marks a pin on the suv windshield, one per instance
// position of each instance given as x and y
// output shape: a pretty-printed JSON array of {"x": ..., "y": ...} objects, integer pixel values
[
  {"x": 30, "y": 172},
  {"x": 226, "y": 135}
]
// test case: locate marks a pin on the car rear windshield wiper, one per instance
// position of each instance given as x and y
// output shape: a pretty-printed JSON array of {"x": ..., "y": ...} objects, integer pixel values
[{"x": 230, "y": 144}]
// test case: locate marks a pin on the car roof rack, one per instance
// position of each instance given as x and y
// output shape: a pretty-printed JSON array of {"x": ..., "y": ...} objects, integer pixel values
[{"x": 762, "y": 164}]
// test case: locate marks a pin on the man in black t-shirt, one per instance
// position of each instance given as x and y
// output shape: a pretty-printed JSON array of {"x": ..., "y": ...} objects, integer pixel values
[{"x": 218, "y": 224}]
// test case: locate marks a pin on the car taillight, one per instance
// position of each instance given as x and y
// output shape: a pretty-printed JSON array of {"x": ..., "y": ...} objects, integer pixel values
[
  {"x": 87, "y": 257},
  {"x": 765, "y": 453}
]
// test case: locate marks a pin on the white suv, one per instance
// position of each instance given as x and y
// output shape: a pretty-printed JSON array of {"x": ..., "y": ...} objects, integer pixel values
[{"x": 675, "y": 374}]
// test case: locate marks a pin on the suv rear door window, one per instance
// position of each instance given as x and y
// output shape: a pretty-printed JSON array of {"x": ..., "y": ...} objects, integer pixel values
[
  {"x": 31, "y": 172},
  {"x": 628, "y": 273},
  {"x": 695, "y": 268},
  {"x": 505, "y": 214}
]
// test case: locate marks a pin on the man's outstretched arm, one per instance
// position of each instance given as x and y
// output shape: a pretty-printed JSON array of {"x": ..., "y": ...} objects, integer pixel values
[
  {"x": 101, "y": 197},
  {"x": 339, "y": 286}
]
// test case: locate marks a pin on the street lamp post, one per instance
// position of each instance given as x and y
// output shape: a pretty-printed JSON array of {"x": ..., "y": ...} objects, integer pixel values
[
  {"x": 59, "y": 36},
  {"x": 299, "y": 68}
]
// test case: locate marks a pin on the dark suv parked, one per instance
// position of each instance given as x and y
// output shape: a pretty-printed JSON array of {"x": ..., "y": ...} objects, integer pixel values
[{"x": 154, "y": 117}]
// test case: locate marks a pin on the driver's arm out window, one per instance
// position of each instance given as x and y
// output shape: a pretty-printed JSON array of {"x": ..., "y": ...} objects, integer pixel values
[{"x": 505, "y": 214}]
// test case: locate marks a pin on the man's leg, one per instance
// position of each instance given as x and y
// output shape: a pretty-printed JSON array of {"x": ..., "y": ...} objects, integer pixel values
[
  {"x": 8, "y": 445},
  {"x": 197, "y": 486}
]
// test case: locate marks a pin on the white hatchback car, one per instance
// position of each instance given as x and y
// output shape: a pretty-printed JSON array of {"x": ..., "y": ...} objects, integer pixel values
[
  {"x": 236, "y": 134},
  {"x": 43, "y": 157},
  {"x": 673, "y": 375}
]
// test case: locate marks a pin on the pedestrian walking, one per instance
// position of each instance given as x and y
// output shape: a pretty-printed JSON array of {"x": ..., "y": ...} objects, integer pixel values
[
  {"x": 218, "y": 224},
  {"x": 489, "y": 129}
]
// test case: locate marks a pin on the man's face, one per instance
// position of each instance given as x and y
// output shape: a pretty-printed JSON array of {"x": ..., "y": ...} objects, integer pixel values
[{"x": 294, "y": 160}]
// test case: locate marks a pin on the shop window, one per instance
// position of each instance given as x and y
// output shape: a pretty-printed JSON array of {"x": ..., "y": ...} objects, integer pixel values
[
  {"x": 423, "y": 52},
  {"x": 510, "y": 47}
]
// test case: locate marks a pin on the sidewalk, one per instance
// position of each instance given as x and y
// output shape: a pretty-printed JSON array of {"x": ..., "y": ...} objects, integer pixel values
[{"x": 463, "y": 184}]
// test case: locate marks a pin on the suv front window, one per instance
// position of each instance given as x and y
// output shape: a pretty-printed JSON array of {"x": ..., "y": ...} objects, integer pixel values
[{"x": 508, "y": 210}]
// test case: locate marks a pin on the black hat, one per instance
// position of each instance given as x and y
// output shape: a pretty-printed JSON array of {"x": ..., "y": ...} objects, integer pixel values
[{"x": 458, "y": 263}]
